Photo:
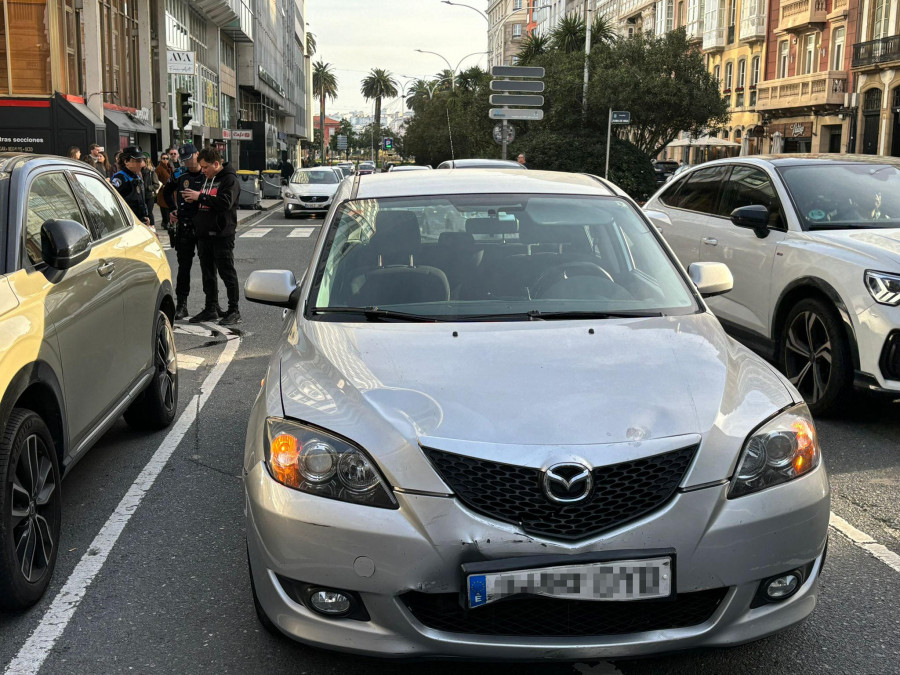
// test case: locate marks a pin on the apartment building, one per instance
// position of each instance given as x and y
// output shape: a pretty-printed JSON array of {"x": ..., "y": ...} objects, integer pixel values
[
  {"x": 507, "y": 27},
  {"x": 876, "y": 66}
]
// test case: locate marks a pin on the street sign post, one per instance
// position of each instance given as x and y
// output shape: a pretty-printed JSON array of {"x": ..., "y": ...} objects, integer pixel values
[
  {"x": 534, "y": 114},
  {"x": 615, "y": 117},
  {"x": 532, "y": 86},
  {"x": 504, "y": 133},
  {"x": 517, "y": 71},
  {"x": 516, "y": 99},
  {"x": 387, "y": 143},
  {"x": 342, "y": 142}
]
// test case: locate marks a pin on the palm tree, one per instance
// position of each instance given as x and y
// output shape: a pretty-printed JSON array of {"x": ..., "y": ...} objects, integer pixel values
[
  {"x": 377, "y": 84},
  {"x": 445, "y": 79},
  {"x": 417, "y": 94},
  {"x": 311, "y": 45},
  {"x": 602, "y": 31},
  {"x": 533, "y": 46},
  {"x": 324, "y": 86},
  {"x": 470, "y": 79},
  {"x": 569, "y": 34}
]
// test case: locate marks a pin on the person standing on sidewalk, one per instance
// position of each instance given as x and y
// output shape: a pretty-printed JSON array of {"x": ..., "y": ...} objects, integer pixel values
[
  {"x": 215, "y": 225},
  {"x": 129, "y": 183},
  {"x": 181, "y": 219},
  {"x": 164, "y": 173},
  {"x": 151, "y": 187}
]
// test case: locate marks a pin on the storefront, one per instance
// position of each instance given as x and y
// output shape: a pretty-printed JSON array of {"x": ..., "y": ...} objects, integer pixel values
[
  {"x": 128, "y": 127},
  {"x": 49, "y": 125},
  {"x": 797, "y": 135},
  {"x": 811, "y": 133}
]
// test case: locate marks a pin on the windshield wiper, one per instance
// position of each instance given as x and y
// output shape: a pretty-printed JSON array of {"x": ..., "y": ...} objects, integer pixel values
[
  {"x": 374, "y": 313},
  {"x": 536, "y": 314}
]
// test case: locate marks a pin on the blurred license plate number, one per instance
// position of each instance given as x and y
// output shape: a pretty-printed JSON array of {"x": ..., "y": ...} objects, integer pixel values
[{"x": 621, "y": 580}]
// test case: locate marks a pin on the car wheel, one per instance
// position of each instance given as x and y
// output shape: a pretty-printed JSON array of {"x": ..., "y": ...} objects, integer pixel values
[
  {"x": 155, "y": 407},
  {"x": 287, "y": 214},
  {"x": 30, "y": 509},
  {"x": 815, "y": 355},
  {"x": 264, "y": 619}
]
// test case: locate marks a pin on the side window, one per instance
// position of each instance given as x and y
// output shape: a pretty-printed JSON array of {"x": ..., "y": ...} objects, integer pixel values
[
  {"x": 701, "y": 192},
  {"x": 749, "y": 186},
  {"x": 102, "y": 206},
  {"x": 49, "y": 197},
  {"x": 672, "y": 196}
]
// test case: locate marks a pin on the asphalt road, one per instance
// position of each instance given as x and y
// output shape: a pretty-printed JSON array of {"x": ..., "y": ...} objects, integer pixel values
[{"x": 173, "y": 594}]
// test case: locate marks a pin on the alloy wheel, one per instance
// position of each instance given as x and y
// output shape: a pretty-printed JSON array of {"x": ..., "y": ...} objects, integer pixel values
[
  {"x": 166, "y": 364},
  {"x": 33, "y": 516},
  {"x": 808, "y": 355}
]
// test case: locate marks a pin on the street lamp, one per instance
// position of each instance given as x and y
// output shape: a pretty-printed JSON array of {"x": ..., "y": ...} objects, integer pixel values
[
  {"x": 474, "y": 9},
  {"x": 449, "y": 67}
]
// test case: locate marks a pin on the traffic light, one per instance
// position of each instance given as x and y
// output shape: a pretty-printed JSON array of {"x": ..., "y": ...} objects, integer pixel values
[
  {"x": 388, "y": 143},
  {"x": 183, "y": 106}
]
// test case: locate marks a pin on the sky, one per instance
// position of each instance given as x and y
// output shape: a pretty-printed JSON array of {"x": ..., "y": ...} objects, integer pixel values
[{"x": 355, "y": 36}]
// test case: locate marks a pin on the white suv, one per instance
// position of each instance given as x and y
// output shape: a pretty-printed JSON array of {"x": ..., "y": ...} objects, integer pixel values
[{"x": 813, "y": 243}]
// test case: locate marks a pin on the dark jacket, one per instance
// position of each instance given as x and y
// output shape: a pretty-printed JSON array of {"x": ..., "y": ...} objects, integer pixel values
[
  {"x": 131, "y": 187},
  {"x": 183, "y": 179},
  {"x": 217, "y": 216}
]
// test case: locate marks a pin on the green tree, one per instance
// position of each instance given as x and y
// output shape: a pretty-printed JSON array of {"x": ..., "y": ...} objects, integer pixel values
[
  {"x": 346, "y": 129},
  {"x": 311, "y": 45},
  {"x": 324, "y": 86},
  {"x": 663, "y": 83},
  {"x": 418, "y": 94},
  {"x": 533, "y": 46},
  {"x": 569, "y": 34},
  {"x": 379, "y": 83}
]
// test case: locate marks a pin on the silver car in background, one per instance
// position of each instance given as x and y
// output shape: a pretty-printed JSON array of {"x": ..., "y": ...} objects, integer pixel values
[
  {"x": 502, "y": 424},
  {"x": 310, "y": 190}
]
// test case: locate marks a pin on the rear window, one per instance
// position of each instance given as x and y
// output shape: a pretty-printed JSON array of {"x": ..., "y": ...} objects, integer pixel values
[{"x": 323, "y": 177}]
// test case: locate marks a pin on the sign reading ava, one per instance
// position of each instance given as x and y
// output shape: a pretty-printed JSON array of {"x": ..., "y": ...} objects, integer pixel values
[{"x": 181, "y": 63}]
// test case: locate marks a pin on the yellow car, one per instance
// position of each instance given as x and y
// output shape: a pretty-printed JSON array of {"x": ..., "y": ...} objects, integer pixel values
[{"x": 86, "y": 307}]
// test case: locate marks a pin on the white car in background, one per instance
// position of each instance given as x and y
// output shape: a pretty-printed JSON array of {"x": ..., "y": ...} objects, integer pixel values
[
  {"x": 813, "y": 243},
  {"x": 310, "y": 191}
]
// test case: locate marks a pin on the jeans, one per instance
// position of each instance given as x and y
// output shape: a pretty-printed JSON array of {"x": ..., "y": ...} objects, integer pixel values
[
  {"x": 185, "y": 246},
  {"x": 217, "y": 255}
]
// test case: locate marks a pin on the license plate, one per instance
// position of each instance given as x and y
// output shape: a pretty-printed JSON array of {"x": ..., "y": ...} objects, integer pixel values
[{"x": 621, "y": 580}]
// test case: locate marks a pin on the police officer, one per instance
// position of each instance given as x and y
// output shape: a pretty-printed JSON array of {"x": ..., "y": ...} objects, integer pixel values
[
  {"x": 130, "y": 185},
  {"x": 186, "y": 177}
]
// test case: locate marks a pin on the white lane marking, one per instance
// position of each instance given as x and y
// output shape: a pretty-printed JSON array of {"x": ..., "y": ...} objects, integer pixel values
[
  {"x": 310, "y": 223},
  {"x": 192, "y": 329},
  {"x": 257, "y": 232},
  {"x": 31, "y": 656},
  {"x": 189, "y": 361},
  {"x": 865, "y": 542},
  {"x": 300, "y": 232}
]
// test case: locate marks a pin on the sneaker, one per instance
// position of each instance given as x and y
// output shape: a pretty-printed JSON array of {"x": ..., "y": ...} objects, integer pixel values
[
  {"x": 231, "y": 318},
  {"x": 181, "y": 311},
  {"x": 221, "y": 312},
  {"x": 208, "y": 314}
]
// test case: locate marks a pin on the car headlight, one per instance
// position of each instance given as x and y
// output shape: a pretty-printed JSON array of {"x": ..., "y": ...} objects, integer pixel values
[
  {"x": 884, "y": 287},
  {"x": 312, "y": 461},
  {"x": 784, "y": 448}
]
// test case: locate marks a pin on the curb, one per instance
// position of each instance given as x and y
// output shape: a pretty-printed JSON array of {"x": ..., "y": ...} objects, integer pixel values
[{"x": 252, "y": 218}]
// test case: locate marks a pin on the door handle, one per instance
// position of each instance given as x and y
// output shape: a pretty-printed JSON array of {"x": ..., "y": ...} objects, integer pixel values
[
  {"x": 105, "y": 269},
  {"x": 710, "y": 241}
]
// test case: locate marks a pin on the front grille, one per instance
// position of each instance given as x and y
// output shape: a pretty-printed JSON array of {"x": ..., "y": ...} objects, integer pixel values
[
  {"x": 513, "y": 494},
  {"x": 554, "y": 617},
  {"x": 315, "y": 199}
]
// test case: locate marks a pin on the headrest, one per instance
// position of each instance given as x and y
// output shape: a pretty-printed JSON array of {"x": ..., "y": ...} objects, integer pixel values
[
  {"x": 396, "y": 234},
  {"x": 456, "y": 240},
  {"x": 491, "y": 226},
  {"x": 556, "y": 234}
]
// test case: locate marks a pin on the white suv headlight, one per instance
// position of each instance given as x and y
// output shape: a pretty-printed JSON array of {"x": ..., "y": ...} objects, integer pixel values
[
  {"x": 784, "y": 448},
  {"x": 884, "y": 287}
]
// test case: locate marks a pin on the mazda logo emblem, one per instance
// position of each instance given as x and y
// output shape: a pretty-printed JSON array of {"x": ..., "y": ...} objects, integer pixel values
[{"x": 567, "y": 483}]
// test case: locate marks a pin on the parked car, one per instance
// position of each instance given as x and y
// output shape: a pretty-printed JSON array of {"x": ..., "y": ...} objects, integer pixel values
[
  {"x": 365, "y": 168},
  {"x": 86, "y": 310},
  {"x": 664, "y": 170},
  {"x": 814, "y": 246},
  {"x": 487, "y": 443},
  {"x": 481, "y": 164},
  {"x": 409, "y": 167},
  {"x": 310, "y": 190},
  {"x": 346, "y": 169}
]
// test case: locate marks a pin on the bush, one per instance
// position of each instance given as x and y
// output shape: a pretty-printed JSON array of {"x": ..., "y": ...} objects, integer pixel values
[{"x": 629, "y": 168}]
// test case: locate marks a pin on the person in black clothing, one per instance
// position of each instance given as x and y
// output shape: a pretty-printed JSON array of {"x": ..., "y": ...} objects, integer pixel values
[
  {"x": 287, "y": 171},
  {"x": 128, "y": 182},
  {"x": 215, "y": 225},
  {"x": 181, "y": 216}
]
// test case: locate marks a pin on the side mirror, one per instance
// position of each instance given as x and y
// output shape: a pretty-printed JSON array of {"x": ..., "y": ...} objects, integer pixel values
[
  {"x": 754, "y": 217},
  {"x": 711, "y": 278},
  {"x": 272, "y": 287},
  {"x": 64, "y": 243}
]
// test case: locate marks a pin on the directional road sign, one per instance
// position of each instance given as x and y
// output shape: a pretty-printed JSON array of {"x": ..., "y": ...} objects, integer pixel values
[
  {"x": 621, "y": 117},
  {"x": 342, "y": 141},
  {"x": 516, "y": 114},
  {"x": 513, "y": 99},
  {"x": 533, "y": 86},
  {"x": 498, "y": 133},
  {"x": 516, "y": 71}
]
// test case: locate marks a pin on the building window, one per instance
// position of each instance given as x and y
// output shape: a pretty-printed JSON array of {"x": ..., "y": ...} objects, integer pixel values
[
  {"x": 27, "y": 48},
  {"x": 837, "y": 49},
  {"x": 742, "y": 73},
  {"x": 809, "y": 54},
  {"x": 732, "y": 17},
  {"x": 717, "y": 74},
  {"x": 754, "y": 71},
  {"x": 729, "y": 75},
  {"x": 119, "y": 31},
  {"x": 880, "y": 26},
  {"x": 517, "y": 5},
  {"x": 517, "y": 30},
  {"x": 783, "y": 58}
]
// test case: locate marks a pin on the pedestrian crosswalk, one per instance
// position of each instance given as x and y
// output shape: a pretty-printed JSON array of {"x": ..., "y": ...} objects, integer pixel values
[{"x": 273, "y": 232}]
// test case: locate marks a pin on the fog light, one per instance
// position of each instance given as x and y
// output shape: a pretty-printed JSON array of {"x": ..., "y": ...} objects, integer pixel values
[
  {"x": 782, "y": 587},
  {"x": 330, "y": 603}
]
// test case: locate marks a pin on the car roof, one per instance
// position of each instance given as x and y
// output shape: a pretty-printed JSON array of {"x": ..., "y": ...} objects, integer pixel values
[
  {"x": 12, "y": 160},
  {"x": 808, "y": 159},
  {"x": 482, "y": 163},
  {"x": 477, "y": 181}
]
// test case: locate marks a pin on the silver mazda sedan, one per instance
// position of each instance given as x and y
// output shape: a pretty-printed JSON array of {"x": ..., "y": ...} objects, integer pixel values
[{"x": 502, "y": 423}]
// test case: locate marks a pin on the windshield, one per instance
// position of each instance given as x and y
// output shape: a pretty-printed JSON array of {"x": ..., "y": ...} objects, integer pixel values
[
  {"x": 472, "y": 257},
  {"x": 841, "y": 196},
  {"x": 320, "y": 177}
]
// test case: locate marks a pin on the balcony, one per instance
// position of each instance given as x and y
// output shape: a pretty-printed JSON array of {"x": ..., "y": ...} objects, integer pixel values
[
  {"x": 801, "y": 13},
  {"x": 876, "y": 52},
  {"x": 753, "y": 27},
  {"x": 629, "y": 8},
  {"x": 714, "y": 38},
  {"x": 802, "y": 91},
  {"x": 694, "y": 30}
]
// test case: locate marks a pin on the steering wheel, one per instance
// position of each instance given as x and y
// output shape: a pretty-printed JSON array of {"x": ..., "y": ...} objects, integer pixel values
[{"x": 559, "y": 274}]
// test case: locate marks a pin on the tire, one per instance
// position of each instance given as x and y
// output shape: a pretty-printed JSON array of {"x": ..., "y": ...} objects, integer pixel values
[
  {"x": 30, "y": 509},
  {"x": 155, "y": 407},
  {"x": 264, "y": 619},
  {"x": 287, "y": 214},
  {"x": 813, "y": 327}
]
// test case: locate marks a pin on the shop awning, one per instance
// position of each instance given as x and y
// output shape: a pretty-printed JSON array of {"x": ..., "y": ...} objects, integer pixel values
[
  {"x": 126, "y": 123},
  {"x": 88, "y": 113}
]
